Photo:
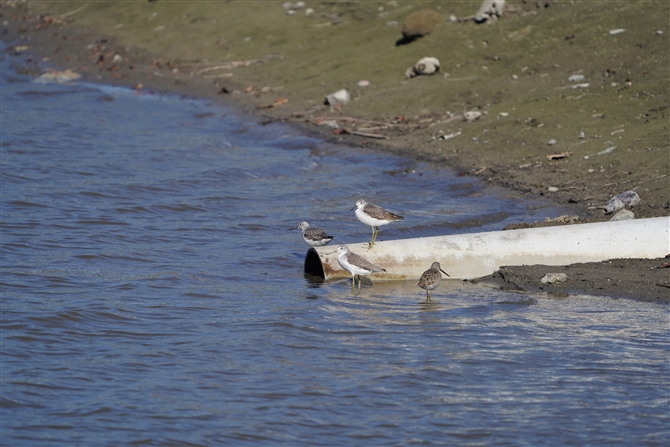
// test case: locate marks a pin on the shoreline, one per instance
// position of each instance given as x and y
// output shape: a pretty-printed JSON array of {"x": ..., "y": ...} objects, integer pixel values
[{"x": 67, "y": 43}]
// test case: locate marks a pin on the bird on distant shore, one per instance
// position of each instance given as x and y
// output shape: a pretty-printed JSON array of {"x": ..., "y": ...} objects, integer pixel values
[
  {"x": 355, "y": 264},
  {"x": 313, "y": 236},
  {"x": 374, "y": 216},
  {"x": 431, "y": 278}
]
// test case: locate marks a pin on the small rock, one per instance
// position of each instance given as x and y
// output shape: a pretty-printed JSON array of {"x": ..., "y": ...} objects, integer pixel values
[
  {"x": 490, "y": 9},
  {"x": 363, "y": 83},
  {"x": 576, "y": 78},
  {"x": 338, "y": 97},
  {"x": 552, "y": 189},
  {"x": 425, "y": 66},
  {"x": 614, "y": 32},
  {"x": 553, "y": 278},
  {"x": 329, "y": 123},
  {"x": 552, "y": 142},
  {"x": 420, "y": 23},
  {"x": 581, "y": 135},
  {"x": 623, "y": 214},
  {"x": 472, "y": 115}
]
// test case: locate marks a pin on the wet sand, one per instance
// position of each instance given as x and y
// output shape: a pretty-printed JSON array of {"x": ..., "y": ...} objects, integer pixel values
[{"x": 514, "y": 72}]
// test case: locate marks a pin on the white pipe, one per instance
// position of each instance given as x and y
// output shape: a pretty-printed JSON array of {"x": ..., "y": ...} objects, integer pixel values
[{"x": 469, "y": 256}]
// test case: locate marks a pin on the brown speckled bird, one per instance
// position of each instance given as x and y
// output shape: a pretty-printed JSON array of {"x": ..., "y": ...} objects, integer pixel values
[{"x": 431, "y": 278}]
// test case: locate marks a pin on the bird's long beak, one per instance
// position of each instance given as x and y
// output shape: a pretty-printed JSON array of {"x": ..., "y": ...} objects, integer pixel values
[
  {"x": 292, "y": 228},
  {"x": 353, "y": 208},
  {"x": 445, "y": 273}
]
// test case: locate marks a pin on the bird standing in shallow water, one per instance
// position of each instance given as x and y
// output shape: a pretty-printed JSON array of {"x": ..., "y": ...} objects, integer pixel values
[
  {"x": 355, "y": 264},
  {"x": 313, "y": 236},
  {"x": 431, "y": 278},
  {"x": 374, "y": 216}
]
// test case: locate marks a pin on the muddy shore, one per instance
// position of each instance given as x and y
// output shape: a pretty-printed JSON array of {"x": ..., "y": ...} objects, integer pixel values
[{"x": 279, "y": 66}]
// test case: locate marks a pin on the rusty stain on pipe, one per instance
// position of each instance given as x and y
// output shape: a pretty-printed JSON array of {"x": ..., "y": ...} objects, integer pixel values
[{"x": 469, "y": 256}]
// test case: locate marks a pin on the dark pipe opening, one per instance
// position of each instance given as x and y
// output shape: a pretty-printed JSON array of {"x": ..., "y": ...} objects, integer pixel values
[{"x": 313, "y": 264}]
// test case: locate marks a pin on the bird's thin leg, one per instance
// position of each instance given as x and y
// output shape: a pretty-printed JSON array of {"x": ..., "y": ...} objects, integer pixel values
[
  {"x": 372, "y": 238},
  {"x": 427, "y": 295}
]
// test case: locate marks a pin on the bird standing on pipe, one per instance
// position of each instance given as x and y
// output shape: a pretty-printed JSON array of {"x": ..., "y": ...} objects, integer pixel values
[{"x": 374, "y": 216}]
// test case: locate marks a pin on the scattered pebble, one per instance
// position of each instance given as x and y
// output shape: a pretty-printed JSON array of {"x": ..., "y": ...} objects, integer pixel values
[
  {"x": 576, "y": 78},
  {"x": 607, "y": 151},
  {"x": 291, "y": 6},
  {"x": 553, "y": 278},
  {"x": 614, "y": 32},
  {"x": 339, "y": 97},
  {"x": 420, "y": 23},
  {"x": 552, "y": 142},
  {"x": 623, "y": 214},
  {"x": 490, "y": 10},
  {"x": 329, "y": 123},
  {"x": 363, "y": 83},
  {"x": 472, "y": 115},
  {"x": 425, "y": 66},
  {"x": 581, "y": 135},
  {"x": 552, "y": 189}
]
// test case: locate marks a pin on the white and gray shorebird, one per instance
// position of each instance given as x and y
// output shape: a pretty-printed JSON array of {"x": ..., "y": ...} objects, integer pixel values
[
  {"x": 431, "y": 278},
  {"x": 355, "y": 264},
  {"x": 374, "y": 216},
  {"x": 313, "y": 236}
]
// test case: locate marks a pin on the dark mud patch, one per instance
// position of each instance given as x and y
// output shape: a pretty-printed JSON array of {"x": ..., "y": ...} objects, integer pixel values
[{"x": 642, "y": 279}]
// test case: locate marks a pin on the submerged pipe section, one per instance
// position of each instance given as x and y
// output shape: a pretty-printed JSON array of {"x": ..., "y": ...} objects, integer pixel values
[{"x": 469, "y": 256}]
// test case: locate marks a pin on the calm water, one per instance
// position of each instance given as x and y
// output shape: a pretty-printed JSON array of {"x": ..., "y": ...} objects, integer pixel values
[{"x": 151, "y": 295}]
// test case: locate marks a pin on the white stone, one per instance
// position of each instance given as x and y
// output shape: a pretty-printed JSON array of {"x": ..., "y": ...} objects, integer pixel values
[
  {"x": 623, "y": 215},
  {"x": 554, "y": 278},
  {"x": 339, "y": 97},
  {"x": 472, "y": 115},
  {"x": 425, "y": 66},
  {"x": 490, "y": 9}
]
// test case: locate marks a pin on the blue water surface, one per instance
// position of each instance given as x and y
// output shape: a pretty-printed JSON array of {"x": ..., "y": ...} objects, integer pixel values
[{"x": 152, "y": 295}]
